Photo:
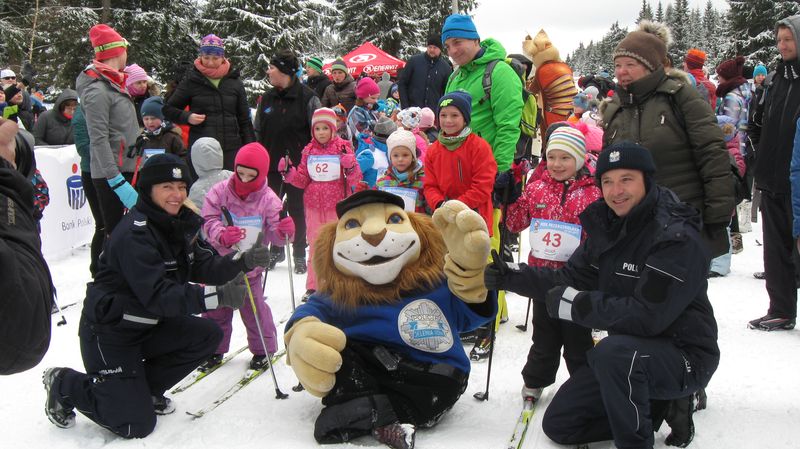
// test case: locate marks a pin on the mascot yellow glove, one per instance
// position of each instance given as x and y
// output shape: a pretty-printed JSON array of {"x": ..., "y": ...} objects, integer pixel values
[
  {"x": 313, "y": 351},
  {"x": 467, "y": 240}
]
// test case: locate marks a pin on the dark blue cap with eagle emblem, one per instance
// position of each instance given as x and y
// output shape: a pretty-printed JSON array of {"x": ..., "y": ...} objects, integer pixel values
[
  {"x": 160, "y": 168},
  {"x": 367, "y": 197}
]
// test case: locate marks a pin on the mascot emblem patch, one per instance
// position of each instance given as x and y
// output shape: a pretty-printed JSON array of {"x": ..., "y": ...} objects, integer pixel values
[{"x": 422, "y": 325}]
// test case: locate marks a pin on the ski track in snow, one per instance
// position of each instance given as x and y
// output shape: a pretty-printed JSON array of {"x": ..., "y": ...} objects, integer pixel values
[{"x": 753, "y": 399}]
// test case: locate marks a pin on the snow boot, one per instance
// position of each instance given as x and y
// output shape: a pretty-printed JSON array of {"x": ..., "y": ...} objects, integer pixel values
[
  {"x": 679, "y": 418},
  {"x": 300, "y": 266},
  {"x": 162, "y": 405},
  {"x": 700, "y": 399},
  {"x": 276, "y": 254},
  {"x": 210, "y": 363},
  {"x": 57, "y": 412},
  {"x": 771, "y": 323},
  {"x": 396, "y": 435}
]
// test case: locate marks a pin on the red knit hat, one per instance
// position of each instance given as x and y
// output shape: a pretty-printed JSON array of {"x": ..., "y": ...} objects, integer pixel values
[
  {"x": 106, "y": 42},
  {"x": 731, "y": 68},
  {"x": 255, "y": 156},
  {"x": 695, "y": 58}
]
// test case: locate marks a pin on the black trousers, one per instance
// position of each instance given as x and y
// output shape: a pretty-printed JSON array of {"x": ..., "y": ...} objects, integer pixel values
[
  {"x": 294, "y": 205},
  {"x": 99, "y": 227},
  {"x": 368, "y": 395},
  {"x": 779, "y": 247},
  {"x": 127, "y": 366},
  {"x": 610, "y": 398},
  {"x": 549, "y": 336},
  {"x": 111, "y": 207}
]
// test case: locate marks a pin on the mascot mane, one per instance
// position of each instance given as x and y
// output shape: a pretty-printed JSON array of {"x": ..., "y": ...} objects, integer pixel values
[{"x": 350, "y": 291}]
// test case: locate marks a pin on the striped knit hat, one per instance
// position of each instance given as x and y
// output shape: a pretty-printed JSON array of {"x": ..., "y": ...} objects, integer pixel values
[
  {"x": 315, "y": 63},
  {"x": 571, "y": 141},
  {"x": 326, "y": 116},
  {"x": 339, "y": 64},
  {"x": 211, "y": 44}
]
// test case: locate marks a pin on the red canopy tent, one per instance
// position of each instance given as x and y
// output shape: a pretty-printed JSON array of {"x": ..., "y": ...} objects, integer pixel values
[{"x": 369, "y": 59}]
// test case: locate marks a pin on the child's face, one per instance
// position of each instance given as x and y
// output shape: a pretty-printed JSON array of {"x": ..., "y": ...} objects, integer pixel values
[
  {"x": 396, "y": 94},
  {"x": 338, "y": 76},
  {"x": 322, "y": 133},
  {"x": 372, "y": 99},
  {"x": 401, "y": 159},
  {"x": 561, "y": 165},
  {"x": 450, "y": 120},
  {"x": 2, "y": 96},
  {"x": 151, "y": 123},
  {"x": 246, "y": 174},
  {"x": 140, "y": 86}
]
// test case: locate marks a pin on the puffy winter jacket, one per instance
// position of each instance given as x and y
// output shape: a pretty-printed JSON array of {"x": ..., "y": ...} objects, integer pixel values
[
  {"x": 663, "y": 113},
  {"x": 81, "y": 138},
  {"x": 52, "y": 128},
  {"x": 361, "y": 120},
  {"x": 324, "y": 194},
  {"x": 207, "y": 161},
  {"x": 318, "y": 84},
  {"x": 225, "y": 107},
  {"x": 111, "y": 122},
  {"x": 548, "y": 199},
  {"x": 343, "y": 93},
  {"x": 415, "y": 181},
  {"x": 735, "y": 105},
  {"x": 465, "y": 174},
  {"x": 423, "y": 81}
]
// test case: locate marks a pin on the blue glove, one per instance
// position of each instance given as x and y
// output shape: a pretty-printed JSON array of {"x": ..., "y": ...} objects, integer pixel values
[{"x": 124, "y": 191}]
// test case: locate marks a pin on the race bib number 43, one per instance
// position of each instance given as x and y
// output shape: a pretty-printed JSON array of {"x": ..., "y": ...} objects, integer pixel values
[
  {"x": 554, "y": 240},
  {"x": 324, "y": 167}
]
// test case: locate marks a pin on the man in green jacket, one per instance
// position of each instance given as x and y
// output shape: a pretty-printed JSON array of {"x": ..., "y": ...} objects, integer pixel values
[{"x": 495, "y": 114}]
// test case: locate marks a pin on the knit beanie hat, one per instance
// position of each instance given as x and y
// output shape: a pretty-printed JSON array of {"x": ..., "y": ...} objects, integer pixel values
[
  {"x": 106, "y": 42},
  {"x": 647, "y": 45},
  {"x": 339, "y": 64},
  {"x": 435, "y": 39},
  {"x": 695, "y": 58},
  {"x": 255, "y": 156},
  {"x": 591, "y": 93},
  {"x": 570, "y": 141},
  {"x": 286, "y": 62},
  {"x": 152, "y": 107},
  {"x": 459, "y": 25},
  {"x": 731, "y": 68},
  {"x": 410, "y": 117},
  {"x": 760, "y": 70},
  {"x": 581, "y": 101},
  {"x": 326, "y": 116},
  {"x": 212, "y": 45},
  {"x": 461, "y": 100},
  {"x": 367, "y": 86},
  {"x": 385, "y": 127},
  {"x": 315, "y": 63},
  {"x": 164, "y": 167},
  {"x": 427, "y": 118},
  {"x": 402, "y": 138},
  {"x": 135, "y": 74},
  {"x": 624, "y": 155},
  {"x": 592, "y": 134}
]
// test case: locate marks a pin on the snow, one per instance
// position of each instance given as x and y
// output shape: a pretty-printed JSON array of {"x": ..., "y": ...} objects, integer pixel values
[{"x": 753, "y": 400}]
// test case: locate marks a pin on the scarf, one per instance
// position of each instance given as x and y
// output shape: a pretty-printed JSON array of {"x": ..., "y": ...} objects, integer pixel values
[
  {"x": 115, "y": 76},
  {"x": 213, "y": 74},
  {"x": 729, "y": 85},
  {"x": 453, "y": 142},
  {"x": 400, "y": 176},
  {"x": 135, "y": 91}
]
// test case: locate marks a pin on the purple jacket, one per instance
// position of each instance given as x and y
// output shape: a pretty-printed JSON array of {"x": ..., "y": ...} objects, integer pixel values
[{"x": 264, "y": 203}]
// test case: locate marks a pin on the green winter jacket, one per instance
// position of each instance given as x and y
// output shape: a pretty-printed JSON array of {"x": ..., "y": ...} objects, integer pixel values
[
  {"x": 663, "y": 113},
  {"x": 496, "y": 120}
]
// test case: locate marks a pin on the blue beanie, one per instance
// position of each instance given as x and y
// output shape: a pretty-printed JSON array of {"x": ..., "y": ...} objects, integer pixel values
[
  {"x": 461, "y": 100},
  {"x": 152, "y": 107},
  {"x": 459, "y": 25},
  {"x": 581, "y": 101},
  {"x": 760, "y": 70}
]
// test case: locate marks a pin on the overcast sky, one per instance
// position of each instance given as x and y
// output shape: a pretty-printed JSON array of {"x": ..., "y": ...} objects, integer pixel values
[{"x": 567, "y": 22}]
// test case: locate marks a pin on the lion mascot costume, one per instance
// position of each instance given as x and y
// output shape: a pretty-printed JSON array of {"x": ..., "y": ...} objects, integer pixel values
[
  {"x": 378, "y": 341},
  {"x": 552, "y": 82}
]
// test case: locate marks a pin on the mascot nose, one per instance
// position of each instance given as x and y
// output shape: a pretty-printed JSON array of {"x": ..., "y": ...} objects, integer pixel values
[{"x": 374, "y": 239}]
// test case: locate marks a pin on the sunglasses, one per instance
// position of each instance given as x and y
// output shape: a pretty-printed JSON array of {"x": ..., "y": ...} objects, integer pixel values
[{"x": 9, "y": 77}]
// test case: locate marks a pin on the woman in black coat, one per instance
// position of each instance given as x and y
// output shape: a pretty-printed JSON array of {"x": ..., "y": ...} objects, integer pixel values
[{"x": 216, "y": 100}]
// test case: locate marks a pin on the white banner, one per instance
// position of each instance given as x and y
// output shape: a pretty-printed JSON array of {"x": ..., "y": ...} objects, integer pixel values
[{"x": 67, "y": 221}]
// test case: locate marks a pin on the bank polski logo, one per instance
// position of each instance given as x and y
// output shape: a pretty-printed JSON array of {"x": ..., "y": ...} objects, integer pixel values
[
  {"x": 423, "y": 326},
  {"x": 362, "y": 58},
  {"x": 76, "y": 197}
]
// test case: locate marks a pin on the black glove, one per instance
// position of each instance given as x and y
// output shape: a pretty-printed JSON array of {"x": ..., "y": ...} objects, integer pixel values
[
  {"x": 505, "y": 181},
  {"x": 560, "y": 300},
  {"x": 232, "y": 294},
  {"x": 257, "y": 256},
  {"x": 496, "y": 275}
]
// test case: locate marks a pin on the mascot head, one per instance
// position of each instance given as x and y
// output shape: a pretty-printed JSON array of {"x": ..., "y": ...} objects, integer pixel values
[
  {"x": 376, "y": 252},
  {"x": 540, "y": 49}
]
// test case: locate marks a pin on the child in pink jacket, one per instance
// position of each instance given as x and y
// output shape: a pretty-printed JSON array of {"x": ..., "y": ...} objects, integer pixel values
[
  {"x": 236, "y": 210},
  {"x": 328, "y": 173}
]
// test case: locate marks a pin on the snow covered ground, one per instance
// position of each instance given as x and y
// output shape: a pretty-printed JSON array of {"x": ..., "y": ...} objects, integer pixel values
[{"x": 753, "y": 400}]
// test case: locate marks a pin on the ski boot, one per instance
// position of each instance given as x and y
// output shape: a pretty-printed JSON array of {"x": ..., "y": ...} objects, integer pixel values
[
  {"x": 61, "y": 415},
  {"x": 162, "y": 405},
  {"x": 531, "y": 393},
  {"x": 700, "y": 399},
  {"x": 396, "y": 435},
  {"x": 481, "y": 349},
  {"x": 276, "y": 255},
  {"x": 300, "y": 266},
  {"x": 210, "y": 363},
  {"x": 259, "y": 362},
  {"x": 679, "y": 418}
]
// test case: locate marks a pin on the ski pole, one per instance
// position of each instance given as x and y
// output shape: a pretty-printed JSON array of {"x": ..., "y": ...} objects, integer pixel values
[
  {"x": 524, "y": 327},
  {"x": 278, "y": 393},
  {"x": 291, "y": 270},
  {"x": 55, "y": 301}
]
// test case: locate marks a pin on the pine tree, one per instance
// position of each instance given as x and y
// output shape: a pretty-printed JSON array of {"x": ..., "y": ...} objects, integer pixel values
[
  {"x": 438, "y": 10},
  {"x": 752, "y": 28},
  {"x": 678, "y": 22},
  {"x": 712, "y": 34},
  {"x": 695, "y": 33},
  {"x": 659, "y": 17},
  {"x": 645, "y": 13},
  {"x": 395, "y": 26}
]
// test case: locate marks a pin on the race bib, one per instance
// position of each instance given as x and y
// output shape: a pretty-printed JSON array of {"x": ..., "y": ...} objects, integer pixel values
[
  {"x": 554, "y": 240},
  {"x": 152, "y": 152},
  {"x": 409, "y": 196},
  {"x": 324, "y": 167},
  {"x": 252, "y": 226}
]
